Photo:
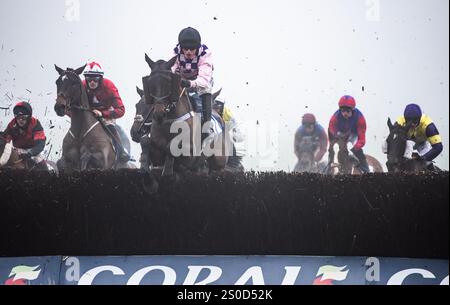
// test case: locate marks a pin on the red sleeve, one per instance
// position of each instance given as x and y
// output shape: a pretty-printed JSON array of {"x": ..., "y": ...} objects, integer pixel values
[
  {"x": 332, "y": 127},
  {"x": 323, "y": 146},
  {"x": 7, "y": 132},
  {"x": 38, "y": 131},
  {"x": 117, "y": 104},
  {"x": 362, "y": 127}
]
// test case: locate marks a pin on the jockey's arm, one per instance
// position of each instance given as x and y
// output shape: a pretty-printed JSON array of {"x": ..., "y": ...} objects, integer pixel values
[
  {"x": 297, "y": 141},
  {"x": 118, "y": 110},
  {"x": 39, "y": 140},
  {"x": 323, "y": 145},
  {"x": 435, "y": 140},
  {"x": 361, "y": 129},
  {"x": 7, "y": 134},
  {"x": 332, "y": 128},
  {"x": 205, "y": 71}
]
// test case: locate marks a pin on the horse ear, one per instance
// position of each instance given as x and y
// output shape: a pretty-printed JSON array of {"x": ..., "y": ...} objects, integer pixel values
[
  {"x": 171, "y": 62},
  {"x": 150, "y": 62},
  {"x": 389, "y": 123},
  {"x": 59, "y": 70},
  {"x": 215, "y": 95},
  {"x": 140, "y": 91},
  {"x": 80, "y": 70}
]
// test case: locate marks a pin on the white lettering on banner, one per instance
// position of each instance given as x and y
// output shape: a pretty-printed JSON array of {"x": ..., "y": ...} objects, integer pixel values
[
  {"x": 90, "y": 275},
  {"x": 399, "y": 277},
  {"x": 194, "y": 271},
  {"x": 291, "y": 275},
  {"x": 73, "y": 270},
  {"x": 170, "y": 276},
  {"x": 373, "y": 270},
  {"x": 253, "y": 273}
]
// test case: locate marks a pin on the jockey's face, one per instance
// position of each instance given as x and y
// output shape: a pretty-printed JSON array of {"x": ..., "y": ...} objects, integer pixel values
[
  {"x": 189, "y": 53},
  {"x": 309, "y": 128},
  {"x": 346, "y": 112},
  {"x": 22, "y": 120},
  {"x": 93, "y": 82}
]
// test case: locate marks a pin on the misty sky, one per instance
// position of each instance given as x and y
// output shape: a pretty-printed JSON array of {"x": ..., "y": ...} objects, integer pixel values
[{"x": 275, "y": 60}]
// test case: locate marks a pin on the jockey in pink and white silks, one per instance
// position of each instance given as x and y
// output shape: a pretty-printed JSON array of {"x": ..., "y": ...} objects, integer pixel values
[{"x": 194, "y": 64}]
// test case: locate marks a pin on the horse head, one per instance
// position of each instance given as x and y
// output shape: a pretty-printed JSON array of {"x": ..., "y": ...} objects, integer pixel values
[
  {"x": 396, "y": 146},
  {"x": 140, "y": 126},
  {"x": 161, "y": 87},
  {"x": 69, "y": 89},
  {"x": 307, "y": 149}
]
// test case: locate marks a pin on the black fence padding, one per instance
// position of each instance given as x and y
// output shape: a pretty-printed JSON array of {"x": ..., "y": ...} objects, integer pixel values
[{"x": 109, "y": 213}]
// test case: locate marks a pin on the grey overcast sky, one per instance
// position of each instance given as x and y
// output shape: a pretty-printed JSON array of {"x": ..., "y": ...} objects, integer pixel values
[{"x": 274, "y": 59}]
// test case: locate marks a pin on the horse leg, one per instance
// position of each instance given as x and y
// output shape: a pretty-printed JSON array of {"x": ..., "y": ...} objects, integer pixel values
[
  {"x": 168, "y": 166},
  {"x": 145, "y": 158},
  {"x": 85, "y": 158}
]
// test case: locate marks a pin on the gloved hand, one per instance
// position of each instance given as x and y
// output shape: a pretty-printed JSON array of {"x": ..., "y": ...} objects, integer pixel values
[
  {"x": 25, "y": 156},
  {"x": 185, "y": 83},
  {"x": 97, "y": 113}
]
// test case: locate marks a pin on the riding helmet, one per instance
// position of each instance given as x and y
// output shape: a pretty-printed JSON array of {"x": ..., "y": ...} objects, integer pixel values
[
  {"x": 93, "y": 69},
  {"x": 308, "y": 118},
  {"x": 412, "y": 112},
  {"x": 22, "y": 108},
  {"x": 347, "y": 101},
  {"x": 189, "y": 38}
]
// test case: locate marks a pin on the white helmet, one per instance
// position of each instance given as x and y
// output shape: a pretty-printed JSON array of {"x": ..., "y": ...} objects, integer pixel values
[{"x": 93, "y": 69}]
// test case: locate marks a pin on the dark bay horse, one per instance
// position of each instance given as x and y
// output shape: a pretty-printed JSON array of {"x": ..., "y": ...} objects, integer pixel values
[
  {"x": 174, "y": 143},
  {"x": 397, "y": 146},
  {"x": 87, "y": 145}
]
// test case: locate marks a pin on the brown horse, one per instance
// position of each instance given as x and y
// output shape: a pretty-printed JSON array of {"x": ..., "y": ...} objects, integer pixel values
[
  {"x": 348, "y": 164},
  {"x": 87, "y": 144},
  {"x": 9, "y": 158},
  {"x": 174, "y": 140},
  {"x": 306, "y": 161}
]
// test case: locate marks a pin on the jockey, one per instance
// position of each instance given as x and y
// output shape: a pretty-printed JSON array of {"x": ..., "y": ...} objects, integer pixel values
[
  {"x": 348, "y": 123},
  {"x": 106, "y": 103},
  {"x": 423, "y": 132},
  {"x": 27, "y": 135},
  {"x": 234, "y": 161},
  {"x": 194, "y": 64},
  {"x": 310, "y": 128}
]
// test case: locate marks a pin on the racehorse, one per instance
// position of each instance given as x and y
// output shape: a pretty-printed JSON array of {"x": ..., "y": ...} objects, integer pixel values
[
  {"x": 349, "y": 164},
  {"x": 400, "y": 151},
  {"x": 9, "y": 158},
  {"x": 169, "y": 105},
  {"x": 87, "y": 144},
  {"x": 306, "y": 162}
]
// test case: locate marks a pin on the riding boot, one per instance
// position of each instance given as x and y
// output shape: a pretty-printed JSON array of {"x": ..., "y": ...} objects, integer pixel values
[
  {"x": 206, "y": 112},
  {"x": 363, "y": 165},
  {"x": 123, "y": 156}
]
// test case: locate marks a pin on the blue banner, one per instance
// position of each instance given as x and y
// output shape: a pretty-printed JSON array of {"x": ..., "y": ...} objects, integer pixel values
[{"x": 222, "y": 270}]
